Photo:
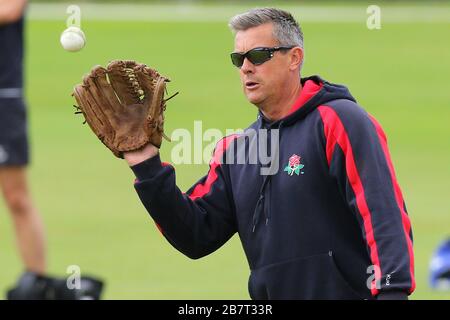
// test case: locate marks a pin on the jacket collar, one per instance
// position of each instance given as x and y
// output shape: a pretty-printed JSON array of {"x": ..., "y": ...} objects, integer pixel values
[{"x": 312, "y": 91}]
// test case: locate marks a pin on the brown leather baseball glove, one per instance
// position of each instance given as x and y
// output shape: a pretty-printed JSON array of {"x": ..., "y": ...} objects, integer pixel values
[{"x": 124, "y": 105}]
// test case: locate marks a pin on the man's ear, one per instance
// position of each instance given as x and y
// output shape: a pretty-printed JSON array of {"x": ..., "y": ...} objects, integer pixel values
[{"x": 296, "y": 58}]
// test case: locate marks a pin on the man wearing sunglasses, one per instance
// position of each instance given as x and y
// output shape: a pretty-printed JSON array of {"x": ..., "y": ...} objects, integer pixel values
[{"x": 331, "y": 223}]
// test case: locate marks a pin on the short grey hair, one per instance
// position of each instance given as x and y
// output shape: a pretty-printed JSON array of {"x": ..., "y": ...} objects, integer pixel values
[{"x": 286, "y": 29}]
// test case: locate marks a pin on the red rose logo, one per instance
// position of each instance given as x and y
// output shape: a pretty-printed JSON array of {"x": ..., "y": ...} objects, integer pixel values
[
  {"x": 294, "y": 166},
  {"x": 294, "y": 161}
]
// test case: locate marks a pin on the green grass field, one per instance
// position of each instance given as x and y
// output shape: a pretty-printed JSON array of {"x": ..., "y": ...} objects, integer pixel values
[{"x": 95, "y": 220}]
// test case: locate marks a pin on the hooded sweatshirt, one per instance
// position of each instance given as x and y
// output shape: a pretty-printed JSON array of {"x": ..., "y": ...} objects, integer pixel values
[{"x": 328, "y": 221}]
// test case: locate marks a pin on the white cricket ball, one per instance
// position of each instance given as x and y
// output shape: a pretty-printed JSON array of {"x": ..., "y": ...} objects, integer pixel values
[{"x": 72, "y": 39}]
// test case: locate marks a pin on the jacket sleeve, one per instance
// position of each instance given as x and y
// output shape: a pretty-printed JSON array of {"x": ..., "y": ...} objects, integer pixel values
[
  {"x": 359, "y": 160},
  {"x": 196, "y": 223}
]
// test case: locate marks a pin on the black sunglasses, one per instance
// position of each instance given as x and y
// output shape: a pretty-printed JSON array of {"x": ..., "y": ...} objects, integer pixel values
[{"x": 256, "y": 56}]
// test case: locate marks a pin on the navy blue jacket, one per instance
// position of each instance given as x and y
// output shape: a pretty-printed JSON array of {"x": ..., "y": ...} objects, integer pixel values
[{"x": 331, "y": 223}]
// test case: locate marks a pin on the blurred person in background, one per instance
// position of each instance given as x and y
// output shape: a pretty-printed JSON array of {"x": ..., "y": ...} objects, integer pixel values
[
  {"x": 14, "y": 146},
  {"x": 33, "y": 284}
]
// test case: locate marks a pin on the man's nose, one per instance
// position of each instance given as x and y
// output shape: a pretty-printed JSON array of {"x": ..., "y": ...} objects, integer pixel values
[{"x": 247, "y": 66}]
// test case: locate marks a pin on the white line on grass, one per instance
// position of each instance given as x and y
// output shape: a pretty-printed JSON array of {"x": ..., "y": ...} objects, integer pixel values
[{"x": 222, "y": 13}]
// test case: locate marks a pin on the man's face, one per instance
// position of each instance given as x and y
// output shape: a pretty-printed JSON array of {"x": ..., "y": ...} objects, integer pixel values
[{"x": 262, "y": 83}]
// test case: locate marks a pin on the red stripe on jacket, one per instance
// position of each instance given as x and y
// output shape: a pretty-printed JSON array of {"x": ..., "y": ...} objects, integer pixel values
[
  {"x": 310, "y": 88},
  {"x": 202, "y": 189},
  {"x": 335, "y": 133},
  {"x": 399, "y": 198}
]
